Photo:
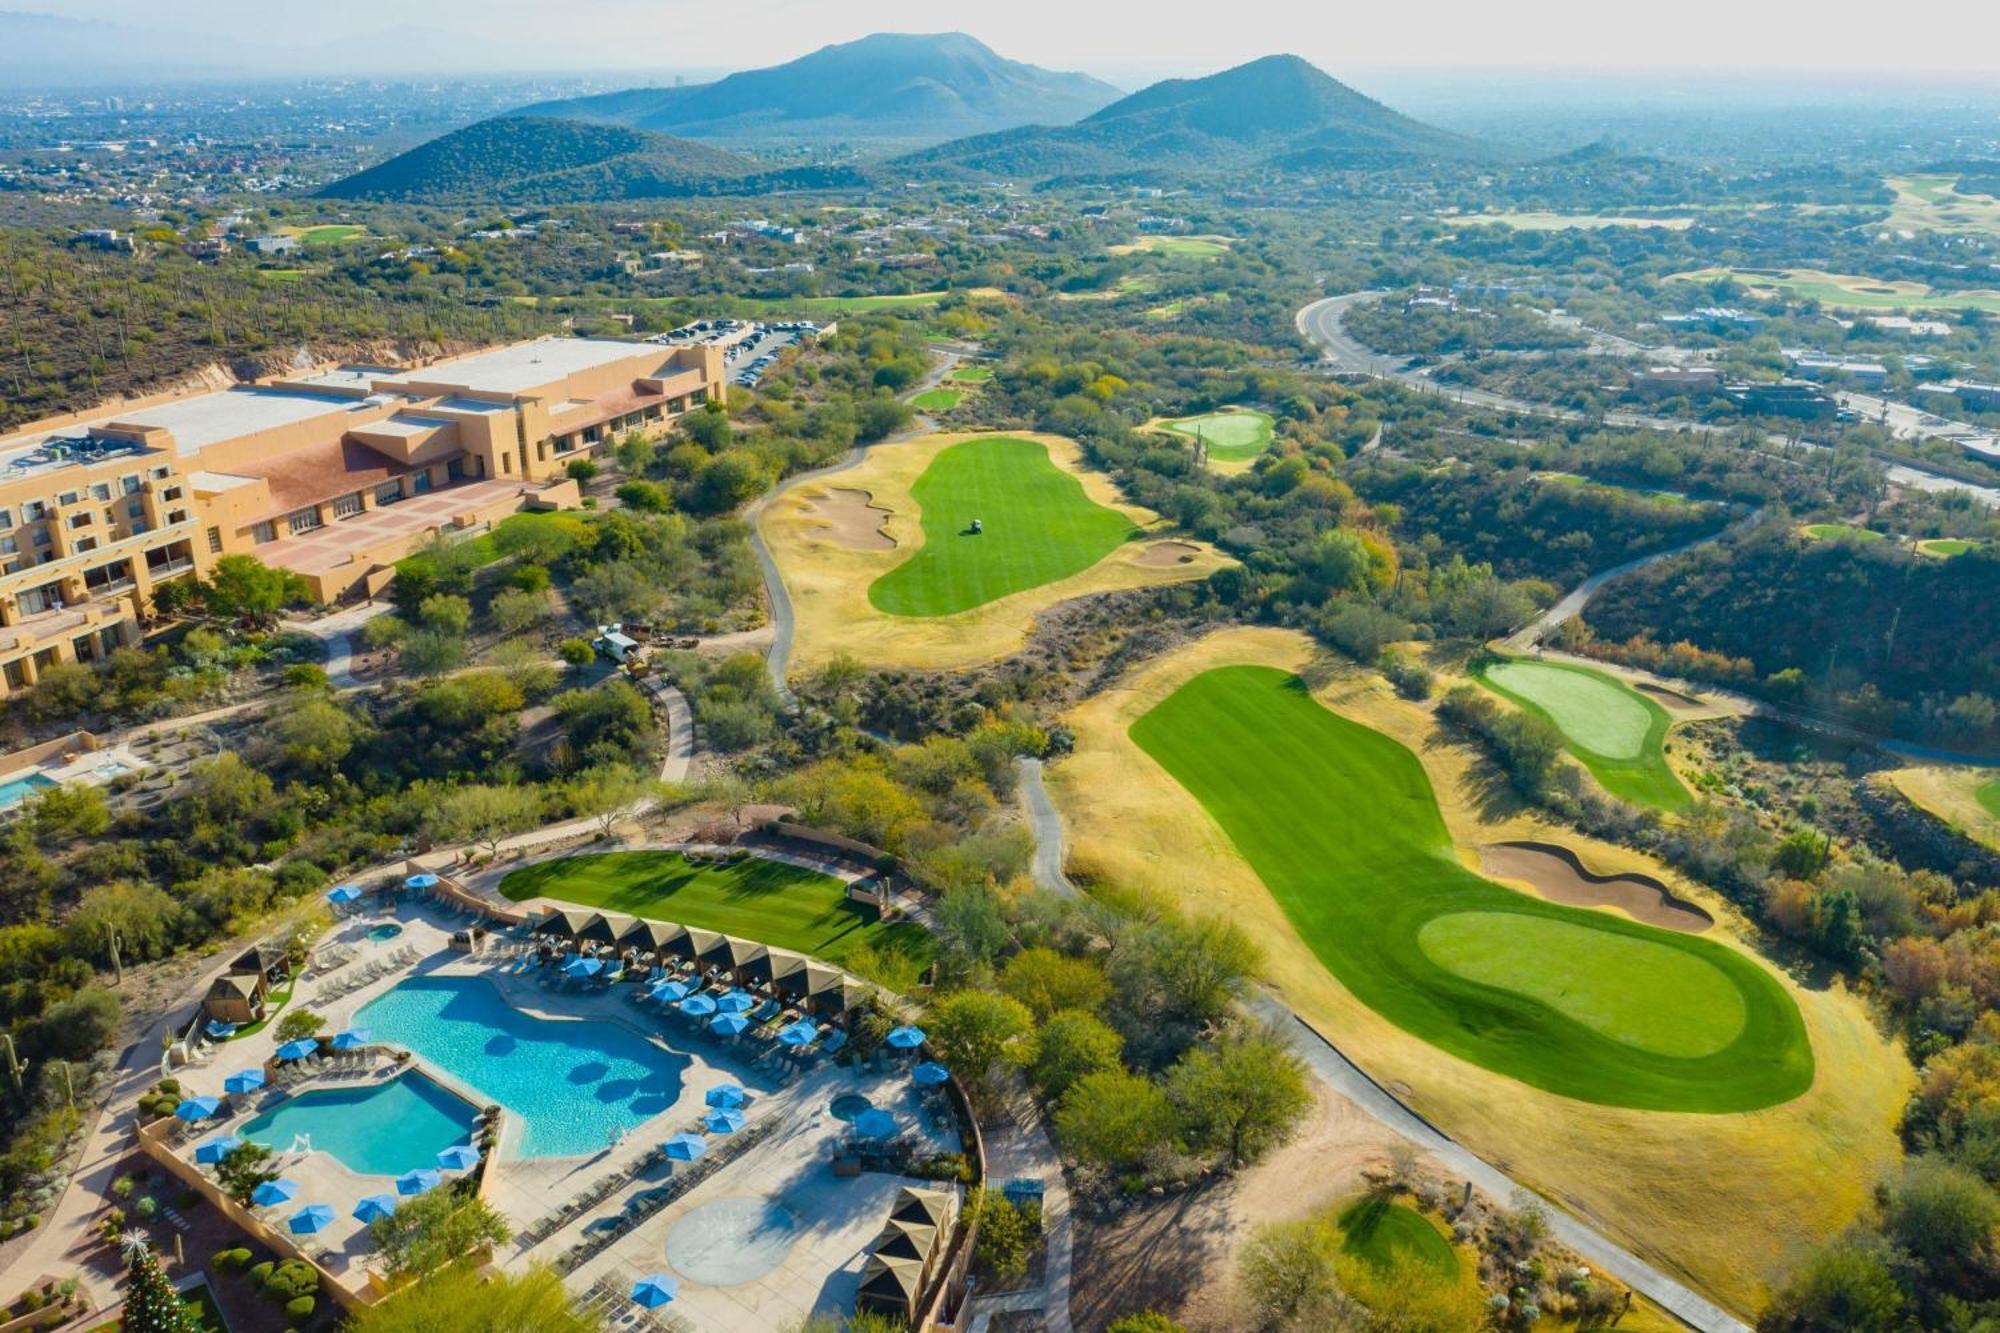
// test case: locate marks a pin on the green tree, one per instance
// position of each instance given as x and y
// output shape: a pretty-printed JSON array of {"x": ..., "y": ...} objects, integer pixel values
[
  {"x": 484, "y": 815},
  {"x": 605, "y": 794},
  {"x": 71, "y": 810},
  {"x": 244, "y": 587},
  {"x": 443, "y": 613},
  {"x": 975, "y": 1031},
  {"x": 433, "y": 1230},
  {"x": 1144, "y": 1321},
  {"x": 1946, "y": 1217},
  {"x": 247, "y": 1166},
  {"x": 520, "y": 609},
  {"x": 1242, "y": 1096},
  {"x": 1007, "y": 1235},
  {"x": 1046, "y": 981},
  {"x": 152, "y": 1305},
  {"x": 1071, "y": 1044},
  {"x": 1115, "y": 1118},
  {"x": 75, "y": 1028},
  {"x": 1845, "y": 1286},
  {"x": 463, "y": 1297},
  {"x": 297, "y": 1023},
  {"x": 1286, "y": 1276}
]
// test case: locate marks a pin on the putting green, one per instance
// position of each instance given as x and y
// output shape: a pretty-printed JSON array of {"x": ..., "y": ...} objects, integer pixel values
[
  {"x": 1231, "y": 436},
  {"x": 1378, "y": 1232},
  {"x": 970, "y": 375},
  {"x": 1340, "y": 824},
  {"x": 937, "y": 400},
  {"x": 1614, "y": 731},
  {"x": 1946, "y": 546},
  {"x": 1827, "y": 532},
  {"x": 1038, "y": 526},
  {"x": 1988, "y": 797}
]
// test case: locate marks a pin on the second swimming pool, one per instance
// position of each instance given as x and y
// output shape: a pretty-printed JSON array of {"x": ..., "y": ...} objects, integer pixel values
[
  {"x": 573, "y": 1085},
  {"x": 382, "y": 1129}
]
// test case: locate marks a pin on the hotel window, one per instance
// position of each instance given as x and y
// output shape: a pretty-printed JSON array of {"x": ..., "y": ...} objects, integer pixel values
[
  {"x": 67, "y": 498},
  {"x": 161, "y": 473},
  {"x": 83, "y": 520},
  {"x": 565, "y": 444},
  {"x": 42, "y": 537},
  {"x": 176, "y": 516},
  {"x": 135, "y": 509},
  {"x": 129, "y": 485},
  {"x": 264, "y": 532},
  {"x": 347, "y": 506},
  {"x": 86, "y": 544},
  {"x": 454, "y": 470},
  {"x": 388, "y": 492},
  {"x": 304, "y": 520},
  {"x": 215, "y": 541},
  {"x": 101, "y": 491},
  {"x": 6, "y": 518},
  {"x": 171, "y": 493},
  {"x": 34, "y": 510},
  {"x": 8, "y": 546},
  {"x": 421, "y": 481}
]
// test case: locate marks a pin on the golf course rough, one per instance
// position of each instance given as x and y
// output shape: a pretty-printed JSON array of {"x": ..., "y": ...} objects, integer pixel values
[
  {"x": 1614, "y": 731},
  {"x": 1036, "y": 526},
  {"x": 1340, "y": 824}
]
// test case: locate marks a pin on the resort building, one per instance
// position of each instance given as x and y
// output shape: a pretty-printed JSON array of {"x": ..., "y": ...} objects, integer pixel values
[{"x": 333, "y": 475}]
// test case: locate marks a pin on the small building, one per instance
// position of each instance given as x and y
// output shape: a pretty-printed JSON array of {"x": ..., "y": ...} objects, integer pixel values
[
  {"x": 1813, "y": 366},
  {"x": 1804, "y": 402},
  {"x": 267, "y": 961},
  {"x": 107, "y": 238},
  {"x": 236, "y": 997},
  {"x": 902, "y": 1260},
  {"x": 1970, "y": 395},
  {"x": 1716, "y": 319},
  {"x": 1667, "y": 381},
  {"x": 1909, "y": 328},
  {"x": 208, "y": 249},
  {"x": 271, "y": 245}
]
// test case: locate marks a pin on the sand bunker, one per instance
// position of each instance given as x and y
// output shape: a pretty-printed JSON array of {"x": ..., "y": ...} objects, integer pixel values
[
  {"x": 1671, "y": 698},
  {"x": 850, "y": 518},
  {"x": 1556, "y": 871},
  {"x": 1161, "y": 555}
]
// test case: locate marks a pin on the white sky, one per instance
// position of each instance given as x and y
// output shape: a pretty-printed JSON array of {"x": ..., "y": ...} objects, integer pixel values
[{"x": 1129, "y": 40}]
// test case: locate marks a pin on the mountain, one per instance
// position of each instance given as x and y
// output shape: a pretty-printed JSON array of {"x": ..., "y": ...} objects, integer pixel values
[
  {"x": 528, "y": 159},
  {"x": 1279, "y": 112},
  {"x": 889, "y": 86}
]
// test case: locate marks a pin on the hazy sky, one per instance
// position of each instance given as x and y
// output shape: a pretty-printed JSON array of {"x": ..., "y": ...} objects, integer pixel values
[{"x": 1126, "y": 37}]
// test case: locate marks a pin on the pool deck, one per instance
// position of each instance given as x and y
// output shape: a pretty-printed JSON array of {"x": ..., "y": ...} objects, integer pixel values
[{"x": 836, "y": 1218}]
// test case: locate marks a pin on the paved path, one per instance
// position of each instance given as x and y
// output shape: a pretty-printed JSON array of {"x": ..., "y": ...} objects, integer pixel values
[
  {"x": 339, "y": 632},
  {"x": 1018, "y": 1146},
  {"x": 680, "y": 729},
  {"x": 1343, "y": 1077}
]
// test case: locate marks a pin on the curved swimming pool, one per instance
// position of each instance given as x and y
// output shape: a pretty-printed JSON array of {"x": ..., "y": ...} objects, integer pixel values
[
  {"x": 382, "y": 1129},
  {"x": 573, "y": 1084}
]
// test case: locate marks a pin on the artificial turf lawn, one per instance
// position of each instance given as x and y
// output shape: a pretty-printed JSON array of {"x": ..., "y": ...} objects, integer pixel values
[
  {"x": 1379, "y": 1231},
  {"x": 1341, "y": 825},
  {"x": 1830, "y": 531},
  {"x": 1613, "y": 730},
  {"x": 1231, "y": 436},
  {"x": 1988, "y": 796},
  {"x": 937, "y": 400},
  {"x": 1039, "y": 527},
  {"x": 784, "y": 906}
]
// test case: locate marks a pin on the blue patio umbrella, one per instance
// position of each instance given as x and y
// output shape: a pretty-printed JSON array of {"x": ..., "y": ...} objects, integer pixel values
[
  {"x": 668, "y": 990},
  {"x": 346, "y": 893},
  {"x": 728, "y": 1025},
  {"x": 216, "y": 1149},
  {"x": 735, "y": 1002},
  {"x": 582, "y": 967},
  {"x": 930, "y": 1074},
  {"x": 273, "y": 1192},
  {"x": 298, "y": 1050},
  {"x": 875, "y": 1123},
  {"x": 375, "y": 1207},
  {"x": 800, "y": 1033},
  {"x": 697, "y": 1006},
  {"x": 459, "y": 1157},
  {"x": 310, "y": 1220},
  {"x": 906, "y": 1038},
  {"x": 353, "y": 1039},
  {"x": 728, "y": 1096},
  {"x": 418, "y": 1181},
  {"x": 242, "y": 1081},
  {"x": 686, "y": 1147},
  {"x": 654, "y": 1290},
  {"x": 425, "y": 881},
  {"x": 723, "y": 1121},
  {"x": 197, "y": 1108}
]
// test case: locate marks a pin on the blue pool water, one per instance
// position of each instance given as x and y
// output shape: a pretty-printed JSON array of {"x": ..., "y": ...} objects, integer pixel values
[
  {"x": 388, "y": 930},
  {"x": 571, "y": 1084},
  {"x": 21, "y": 788},
  {"x": 383, "y": 1129}
]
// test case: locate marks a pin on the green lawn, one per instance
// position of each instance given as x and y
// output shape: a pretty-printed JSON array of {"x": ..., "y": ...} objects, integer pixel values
[
  {"x": 1827, "y": 532},
  {"x": 1988, "y": 796},
  {"x": 1039, "y": 527},
  {"x": 1341, "y": 824},
  {"x": 776, "y": 904},
  {"x": 1613, "y": 730},
  {"x": 970, "y": 375},
  {"x": 1380, "y": 1231},
  {"x": 274, "y": 1003},
  {"x": 1231, "y": 436},
  {"x": 1182, "y": 247},
  {"x": 1946, "y": 546},
  {"x": 332, "y": 233},
  {"x": 937, "y": 400}
]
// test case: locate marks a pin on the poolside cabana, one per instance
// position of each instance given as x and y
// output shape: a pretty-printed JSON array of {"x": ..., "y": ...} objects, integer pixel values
[
  {"x": 562, "y": 923},
  {"x": 931, "y": 1207},
  {"x": 890, "y": 1286},
  {"x": 700, "y": 943},
  {"x": 605, "y": 928},
  {"x": 837, "y": 996},
  {"x": 235, "y": 998},
  {"x": 773, "y": 965},
  {"x": 731, "y": 954},
  {"x": 906, "y": 1240},
  {"x": 651, "y": 937}
]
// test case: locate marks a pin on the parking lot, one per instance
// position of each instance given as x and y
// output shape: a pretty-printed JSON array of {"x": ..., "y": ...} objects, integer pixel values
[{"x": 751, "y": 346}]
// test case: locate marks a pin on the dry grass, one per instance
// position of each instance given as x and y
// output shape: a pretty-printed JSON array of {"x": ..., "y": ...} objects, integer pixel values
[
  {"x": 1948, "y": 794},
  {"x": 1728, "y": 1202},
  {"x": 829, "y": 581}
]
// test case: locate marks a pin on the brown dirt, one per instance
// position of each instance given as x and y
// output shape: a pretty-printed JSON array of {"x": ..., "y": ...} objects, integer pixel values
[
  {"x": 1163, "y": 555},
  {"x": 1671, "y": 698},
  {"x": 850, "y": 518},
  {"x": 1558, "y": 873}
]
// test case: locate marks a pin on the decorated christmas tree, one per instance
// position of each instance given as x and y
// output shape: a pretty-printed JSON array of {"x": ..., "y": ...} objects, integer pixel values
[{"x": 152, "y": 1305}]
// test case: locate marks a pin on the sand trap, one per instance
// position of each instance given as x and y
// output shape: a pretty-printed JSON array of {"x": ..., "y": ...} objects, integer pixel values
[
  {"x": 1161, "y": 555},
  {"x": 1556, "y": 871},
  {"x": 850, "y": 518},
  {"x": 1671, "y": 698}
]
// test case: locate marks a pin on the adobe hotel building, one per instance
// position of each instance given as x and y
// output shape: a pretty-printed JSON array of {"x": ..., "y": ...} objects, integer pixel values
[{"x": 333, "y": 475}]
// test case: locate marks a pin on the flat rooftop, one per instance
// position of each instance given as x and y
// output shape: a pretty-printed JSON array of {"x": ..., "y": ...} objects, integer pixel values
[
  {"x": 208, "y": 418},
  {"x": 524, "y": 366}
]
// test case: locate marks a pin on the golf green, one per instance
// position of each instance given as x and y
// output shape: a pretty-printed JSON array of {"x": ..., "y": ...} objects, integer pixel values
[
  {"x": 970, "y": 375},
  {"x": 1037, "y": 526},
  {"x": 1614, "y": 731},
  {"x": 1340, "y": 823},
  {"x": 1947, "y": 546},
  {"x": 1988, "y": 796},
  {"x": 1827, "y": 532},
  {"x": 1231, "y": 436},
  {"x": 1379, "y": 1231},
  {"x": 781, "y": 905},
  {"x": 937, "y": 400}
]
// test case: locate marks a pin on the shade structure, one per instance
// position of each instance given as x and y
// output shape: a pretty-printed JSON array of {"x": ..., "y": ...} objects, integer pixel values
[
  {"x": 699, "y": 943},
  {"x": 310, "y": 1220},
  {"x": 353, "y": 1039},
  {"x": 905, "y": 1038},
  {"x": 197, "y": 1108},
  {"x": 773, "y": 965},
  {"x": 685, "y": 1147},
  {"x": 723, "y": 1121},
  {"x": 901, "y": 1239},
  {"x": 419, "y": 1181},
  {"x": 698, "y": 1006},
  {"x": 875, "y": 1123},
  {"x": 671, "y": 941},
  {"x": 459, "y": 1157},
  {"x": 562, "y": 923},
  {"x": 646, "y": 936},
  {"x": 604, "y": 928},
  {"x": 930, "y": 1074},
  {"x": 735, "y": 1002},
  {"x": 345, "y": 893},
  {"x": 216, "y": 1149},
  {"x": 421, "y": 881},
  {"x": 274, "y": 1192},
  {"x": 729, "y": 1025},
  {"x": 242, "y": 1081},
  {"x": 654, "y": 1290},
  {"x": 668, "y": 990},
  {"x": 583, "y": 967},
  {"x": 801, "y": 1033},
  {"x": 298, "y": 1050},
  {"x": 726, "y": 1095},
  {"x": 726, "y": 951},
  {"x": 375, "y": 1207},
  {"x": 889, "y": 1283}
]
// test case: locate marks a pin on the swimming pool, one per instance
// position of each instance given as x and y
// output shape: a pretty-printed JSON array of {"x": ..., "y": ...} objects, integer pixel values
[
  {"x": 383, "y": 1129},
  {"x": 21, "y": 788},
  {"x": 388, "y": 930},
  {"x": 571, "y": 1084}
]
